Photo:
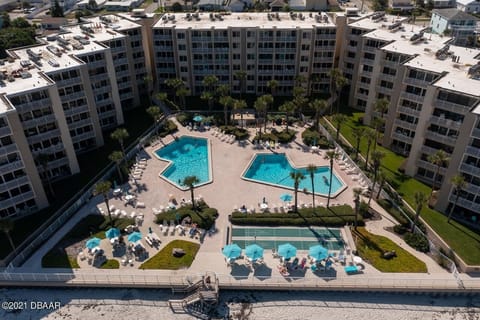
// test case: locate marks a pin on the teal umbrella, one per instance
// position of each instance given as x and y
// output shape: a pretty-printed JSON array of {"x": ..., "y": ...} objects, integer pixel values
[
  {"x": 318, "y": 252},
  {"x": 112, "y": 233},
  {"x": 287, "y": 251},
  {"x": 254, "y": 252},
  {"x": 198, "y": 118},
  {"x": 93, "y": 243},
  {"x": 134, "y": 236},
  {"x": 232, "y": 251},
  {"x": 286, "y": 197}
]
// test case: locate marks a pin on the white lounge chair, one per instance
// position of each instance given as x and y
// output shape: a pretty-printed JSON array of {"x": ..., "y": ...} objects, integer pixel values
[{"x": 139, "y": 204}]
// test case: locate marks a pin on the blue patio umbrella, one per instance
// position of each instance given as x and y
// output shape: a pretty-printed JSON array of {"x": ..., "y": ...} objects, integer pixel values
[
  {"x": 254, "y": 252},
  {"x": 112, "y": 233},
  {"x": 286, "y": 197},
  {"x": 135, "y": 236},
  {"x": 287, "y": 251},
  {"x": 92, "y": 243},
  {"x": 318, "y": 252},
  {"x": 197, "y": 118},
  {"x": 232, "y": 251}
]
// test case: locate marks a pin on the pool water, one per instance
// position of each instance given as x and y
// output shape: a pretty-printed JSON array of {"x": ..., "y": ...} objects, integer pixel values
[
  {"x": 275, "y": 169},
  {"x": 301, "y": 238},
  {"x": 189, "y": 157}
]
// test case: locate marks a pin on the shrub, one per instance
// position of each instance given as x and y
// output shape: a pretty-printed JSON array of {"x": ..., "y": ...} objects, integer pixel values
[
  {"x": 239, "y": 133},
  {"x": 364, "y": 209},
  {"x": 204, "y": 217},
  {"x": 417, "y": 241},
  {"x": 184, "y": 118},
  {"x": 400, "y": 229},
  {"x": 284, "y": 136},
  {"x": 311, "y": 137},
  {"x": 335, "y": 217},
  {"x": 167, "y": 128}
]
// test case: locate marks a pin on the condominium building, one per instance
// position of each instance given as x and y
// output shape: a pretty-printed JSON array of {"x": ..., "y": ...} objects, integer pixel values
[
  {"x": 432, "y": 88},
  {"x": 57, "y": 97},
  {"x": 265, "y": 46}
]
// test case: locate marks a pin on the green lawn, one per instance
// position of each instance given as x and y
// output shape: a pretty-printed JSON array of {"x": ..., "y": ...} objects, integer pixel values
[
  {"x": 465, "y": 242},
  {"x": 165, "y": 260},
  {"x": 371, "y": 248}
]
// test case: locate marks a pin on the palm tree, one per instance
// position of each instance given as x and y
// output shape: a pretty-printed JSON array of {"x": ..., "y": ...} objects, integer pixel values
[
  {"x": 7, "y": 225},
  {"x": 147, "y": 80},
  {"x": 260, "y": 106},
  {"x": 156, "y": 114},
  {"x": 174, "y": 84},
  {"x": 370, "y": 136},
  {"x": 210, "y": 83},
  {"x": 377, "y": 124},
  {"x": 330, "y": 155},
  {"x": 103, "y": 188},
  {"x": 439, "y": 159},
  {"x": 357, "y": 192},
  {"x": 117, "y": 157},
  {"x": 120, "y": 135},
  {"x": 227, "y": 103},
  {"x": 222, "y": 90},
  {"x": 311, "y": 169},
  {"x": 377, "y": 157},
  {"x": 339, "y": 119},
  {"x": 239, "y": 105},
  {"x": 458, "y": 181},
  {"x": 381, "y": 178},
  {"x": 272, "y": 84},
  {"x": 268, "y": 98},
  {"x": 381, "y": 106},
  {"x": 420, "y": 198},
  {"x": 297, "y": 176},
  {"x": 181, "y": 93},
  {"x": 43, "y": 160},
  {"x": 209, "y": 97},
  {"x": 337, "y": 82},
  {"x": 357, "y": 133},
  {"x": 319, "y": 106},
  {"x": 241, "y": 75},
  {"x": 190, "y": 182},
  {"x": 289, "y": 108}
]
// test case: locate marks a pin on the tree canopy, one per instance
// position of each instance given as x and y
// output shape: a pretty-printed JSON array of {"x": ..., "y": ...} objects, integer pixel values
[{"x": 14, "y": 34}]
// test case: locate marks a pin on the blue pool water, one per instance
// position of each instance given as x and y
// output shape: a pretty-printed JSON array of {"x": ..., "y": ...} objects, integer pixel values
[
  {"x": 275, "y": 169},
  {"x": 189, "y": 157}
]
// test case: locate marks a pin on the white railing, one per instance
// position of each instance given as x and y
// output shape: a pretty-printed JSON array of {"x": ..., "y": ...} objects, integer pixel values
[{"x": 228, "y": 281}]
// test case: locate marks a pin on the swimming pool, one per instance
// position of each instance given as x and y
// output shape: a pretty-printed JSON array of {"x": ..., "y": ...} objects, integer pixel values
[
  {"x": 188, "y": 156},
  {"x": 275, "y": 169},
  {"x": 301, "y": 238}
]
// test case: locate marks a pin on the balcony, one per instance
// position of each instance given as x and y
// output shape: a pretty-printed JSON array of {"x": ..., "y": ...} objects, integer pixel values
[
  {"x": 68, "y": 82},
  {"x": 473, "y": 151},
  {"x": 387, "y": 77},
  {"x": 14, "y": 200},
  {"x": 430, "y": 166},
  {"x": 476, "y": 133},
  {"x": 401, "y": 137},
  {"x": 369, "y": 49},
  {"x": 468, "y": 204},
  {"x": 440, "y": 138},
  {"x": 368, "y": 62},
  {"x": 468, "y": 168},
  {"x": 8, "y": 149},
  {"x": 81, "y": 123},
  {"x": 76, "y": 110},
  {"x": 412, "y": 97},
  {"x": 5, "y": 131},
  {"x": 428, "y": 150},
  {"x": 460, "y": 108},
  {"x": 445, "y": 122},
  {"x": 391, "y": 64},
  {"x": 408, "y": 111},
  {"x": 83, "y": 136},
  {"x": 13, "y": 183},
  {"x": 415, "y": 82},
  {"x": 405, "y": 124},
  {"x": 12, "y": 166}
]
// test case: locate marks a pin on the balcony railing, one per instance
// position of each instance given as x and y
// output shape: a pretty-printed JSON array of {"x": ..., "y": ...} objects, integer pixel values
[
  {"x": 401, "y": 137},
  {"x": 413, "y": 97},
  {"x": 408, "y": 111},
  {"x": 445, "y": 122},
  {"x": 440, "y": 138},
  {"x": 405, "y": 124}
]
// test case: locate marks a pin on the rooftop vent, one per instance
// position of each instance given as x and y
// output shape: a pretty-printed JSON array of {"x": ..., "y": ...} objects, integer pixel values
[
  {"x": 32, "y": 55},
  {"x": 54, "y": 50},
  {"x": 442, "y": 53},
  {"x": 378, "y": 16},
  {"x": 25, "y": 63},
  {"x": 395, "y": 26},
  {"x": 25, "y": 75},
  {"x": 416, "y": 37},
  {"x": 53, "y": 63}
]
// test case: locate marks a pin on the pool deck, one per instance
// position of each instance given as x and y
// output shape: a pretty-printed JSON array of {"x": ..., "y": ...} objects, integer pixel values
[{"x": 227, "y": 191}]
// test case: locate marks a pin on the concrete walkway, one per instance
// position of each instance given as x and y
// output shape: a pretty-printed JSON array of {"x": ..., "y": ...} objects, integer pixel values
[{"x": 228, "y": 190}]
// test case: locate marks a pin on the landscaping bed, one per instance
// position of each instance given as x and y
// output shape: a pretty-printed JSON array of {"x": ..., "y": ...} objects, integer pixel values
[
  {"x": 372, "y": 248},
  {"x": 165, "y": 259},
  {"x": 64, "y": 253},
  {"x": 203, "y": 216}
]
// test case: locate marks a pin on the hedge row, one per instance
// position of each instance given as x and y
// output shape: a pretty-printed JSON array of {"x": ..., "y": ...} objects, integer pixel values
[{"x": 334, "y": 217}]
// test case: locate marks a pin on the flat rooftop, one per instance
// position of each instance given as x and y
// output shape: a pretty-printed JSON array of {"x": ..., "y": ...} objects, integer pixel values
[
  {"x": 263, "y": 20},
  {"x": 115, "y": 22},
  {"x": 372, "y": 22}
]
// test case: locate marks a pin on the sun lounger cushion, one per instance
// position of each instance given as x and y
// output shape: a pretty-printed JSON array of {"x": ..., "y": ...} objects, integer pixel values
[{"x": 351, "y": 269}]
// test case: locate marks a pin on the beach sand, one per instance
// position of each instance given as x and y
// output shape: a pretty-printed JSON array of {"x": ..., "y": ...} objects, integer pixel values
[{"x": 122, "y": 304}]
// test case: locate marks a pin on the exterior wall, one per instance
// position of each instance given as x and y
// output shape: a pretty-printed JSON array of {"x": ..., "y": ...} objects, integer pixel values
[
  {"x": 472, "y": 7},
  {"x": 438, "y": 23},
  {"x": 264, "y": 54}
]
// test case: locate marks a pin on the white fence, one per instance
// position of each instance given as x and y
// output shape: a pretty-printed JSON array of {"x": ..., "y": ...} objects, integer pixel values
[{"x": 226, "y": 281}]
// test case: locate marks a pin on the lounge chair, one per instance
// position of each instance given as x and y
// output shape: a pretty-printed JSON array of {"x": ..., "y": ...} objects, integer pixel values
[
  {"x": 139, "y": 204},
  {"x": 133, "y": 214},
  {"x": 351, "y": 269}
]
